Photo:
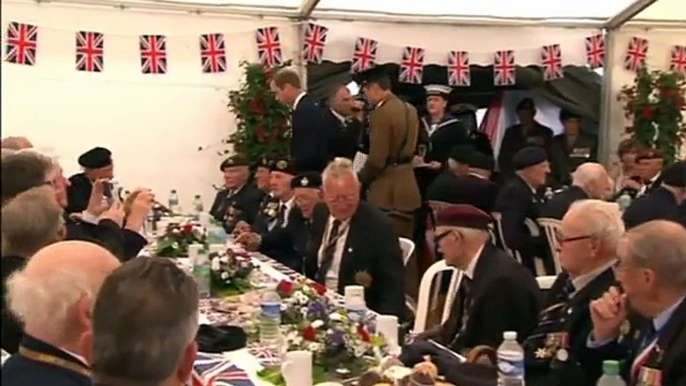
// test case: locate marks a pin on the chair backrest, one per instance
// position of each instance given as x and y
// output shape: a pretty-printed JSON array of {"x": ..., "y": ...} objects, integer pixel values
[
  {"x": 551, "y": 228},
  {"x": 425, "y": 300},
  {"x": 545, "y": 282},
  {"x": 407, "y": 246},
  {"x": 500, "y": 236}
]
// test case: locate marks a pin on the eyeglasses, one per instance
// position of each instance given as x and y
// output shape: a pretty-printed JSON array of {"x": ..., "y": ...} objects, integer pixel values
[
  {"x": 561, "y": 239},
  {"x": 340, "y": 198}
]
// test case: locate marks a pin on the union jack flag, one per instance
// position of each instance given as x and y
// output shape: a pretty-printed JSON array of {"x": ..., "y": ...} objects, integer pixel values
[
  {"x": 364, "y": 55},
  {"x": 412, "y": 65},
  {"x": 90, "y": 51},
  {"x": 22, "y": 40},
  {"x": 212, "y": 53},
  {"x": 636, "y": 54},
  {"x": 551, "y": 57},
  {"x": 315, "y": 39},
  {"x": 595, "y": 51},
  {"x": 215, "y": 370},
  {"x": 458, "y": 69},
  {"x": 504, "y": 68},
  {"x": 153, "y": 54},
  {"x": 269, "y": 46},
  {"x": 677, "y": 62}
]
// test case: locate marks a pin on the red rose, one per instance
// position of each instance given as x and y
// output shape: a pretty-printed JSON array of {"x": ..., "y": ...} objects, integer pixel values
[
  {"x": 364, "y": 335},
  {"x": 647, "y": 112},
  {"x": 320, "y": 289},
  {"x": 260, "y": 132},
  {"x": 285, "y": 287},
  {"x": 309, "y": 333},
  {"x": 188, "y": 228}
]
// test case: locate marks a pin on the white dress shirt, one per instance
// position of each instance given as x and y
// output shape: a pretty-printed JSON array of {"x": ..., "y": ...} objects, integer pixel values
[
  {"x": 334, "y": 270},
  {"x": 582, "y": 281},
  {"x": 298, "y": 99},
  {"x": 469, "y": 272},
  {"x": 289, "y": 205},
  {"x": 645, "y": 186}
]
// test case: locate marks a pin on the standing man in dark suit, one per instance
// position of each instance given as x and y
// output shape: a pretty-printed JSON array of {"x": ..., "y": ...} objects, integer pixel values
[
  {"x": 354, "y": 244},
  {"x": 97, "y": 165},
  {"x": 518, "y": 201},
  {"x": 590, "y": 180},
  {"x": 496, "y": 293},
  {"x": 649, "y": 163},
  {"x": 571, "y": 148},
  {"x": 308, "y": 144},
  {"x": 343, "y": 119},
  {"x": 663, "y": 202}
]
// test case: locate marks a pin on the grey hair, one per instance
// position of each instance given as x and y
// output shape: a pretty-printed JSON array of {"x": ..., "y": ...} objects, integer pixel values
[
  {"x": 660, "y": 246},
  {"x": 588, "y": 173},
  {"x": 339, "y": 168},
  {"x": 334, "y": 91},
  {"x": 143, "y": 338},
  {"x": 30, "y": 221},
  {"x": 603, "y": 220}
]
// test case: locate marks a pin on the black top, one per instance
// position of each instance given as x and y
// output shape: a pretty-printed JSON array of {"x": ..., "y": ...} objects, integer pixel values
[
  {"x": 469, "y": 190},
  {"x": 566, "y": 157},
  {"x": 558, "y": 206},
  {"x": 78, "y": 193},
  {"x": 12, "y": 330},
  {"x": 308, "y": 145},
  {"x": 448, "y": 133},
  {"x": 125, "y": 244},
  {"x": 658, "y": 205},
  {"x": 246, "y": 202},
  {"x": 343, "y": 137},
  {"x": 515, "y": 140}
]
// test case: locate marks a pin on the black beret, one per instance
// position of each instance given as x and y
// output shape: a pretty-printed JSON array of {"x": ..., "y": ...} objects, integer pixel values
[
  {"x": 675, "y": 175},
  {"x": 482, "y": 161},
  {"x": 264, "y": 162},
  {"x": 568, "y": 114},
  {"x": 283, "y": 165},
  {"x": 460, "y": 215},
  {"x": 461, "y": 154},
  {"x": 234, "y": 160},
  {"x": 526, "y": 104},
  {"x": 312, "y": 180},
  {"x": 529, "y": 156},
  {"x": 96, "y": 158}
]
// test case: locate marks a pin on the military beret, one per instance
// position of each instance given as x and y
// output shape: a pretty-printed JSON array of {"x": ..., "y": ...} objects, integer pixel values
[
  {"x": 438, "y": 90},
  {"x": 312, "y": 180},
  {"x": 482, "y": 161},
  {"x": 461, "y": 154},
  {"x": 526, "y": 104},
  {"x": 648, "y": 154},
  {"x": 283, "y": 165},
  {"x": 264, "y": 162},
  {"x": 675, "y": 175},
  {"x": 466, "y": 216},
  {"x": 529, "y": 156},
  {"x": 96, "y": 158},
  {"x": 234, "y": 160}
]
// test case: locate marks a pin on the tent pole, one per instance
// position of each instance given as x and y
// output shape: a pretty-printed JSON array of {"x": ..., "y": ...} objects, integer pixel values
[
  {"x": 607, "y": 132},
  {"x": 306, "y": 7},
  {"x": 298, "y": 62},
  {"x": 627, "y": 14}
]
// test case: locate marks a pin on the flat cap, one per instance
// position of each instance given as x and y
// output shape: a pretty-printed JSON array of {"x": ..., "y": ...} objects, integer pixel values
[
  {"x": 466, "y": 216},
  {"x": 647, "y": 154},
  {"x": 675, "y": 175},
  {"x": 526, "y": 104},
  {"x": 529, "y": 156},
  {"x": 96, "y": 158},
  {"x": 283, "y": 165},
  {"x": 438, "y": 89},
  {"x": 461, "y": 154},
  {"x": 482, "y": 161},
  {"x": 311, "y": 180},
  {"x": 234, "y": 160}
]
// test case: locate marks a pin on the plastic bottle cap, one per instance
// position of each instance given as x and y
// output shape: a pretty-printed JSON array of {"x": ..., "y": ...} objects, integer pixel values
[
  {"x": 610, "y": 367},
  {"x": 510, "y": 335}
]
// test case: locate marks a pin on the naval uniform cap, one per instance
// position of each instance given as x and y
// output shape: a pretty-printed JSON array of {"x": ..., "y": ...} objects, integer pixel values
[{"x": 438, "y": 90}]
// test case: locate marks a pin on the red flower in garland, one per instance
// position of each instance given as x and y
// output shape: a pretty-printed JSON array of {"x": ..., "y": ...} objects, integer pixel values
[
  {"x": 309, "y": 333},
  {"x": 647, "y": 113},
  {"x": 319, "y": 288},
  {"x": 256, "y": 107},
  {"x": 261, "y": 133},
  {"x": 284, "y": 288},
  {"x": 363, "y": 333},
  {"x": 188, "y": 228}
]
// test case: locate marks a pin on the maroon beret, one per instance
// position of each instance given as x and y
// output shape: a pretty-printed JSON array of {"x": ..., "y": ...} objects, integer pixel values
[{"x": 465, "y": 216}]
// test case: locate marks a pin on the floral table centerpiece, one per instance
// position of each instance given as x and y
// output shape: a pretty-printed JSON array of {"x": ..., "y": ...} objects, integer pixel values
[
  {"x": 230, "y": 273},
  {"x": 174, "y": 241}
]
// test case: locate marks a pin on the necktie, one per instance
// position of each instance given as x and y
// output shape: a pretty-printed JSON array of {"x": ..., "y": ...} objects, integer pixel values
[
  {"x": 281, "y": 216},
  {"x": 465, "y": 306},
  {"x": 568, "y": 288},
  {"x": 328, "y": 252},
  {"x": 649, "y": 336}
]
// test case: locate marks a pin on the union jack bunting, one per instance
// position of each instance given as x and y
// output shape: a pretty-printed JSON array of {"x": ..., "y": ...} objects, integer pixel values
[
  {"x": 636, "y": 54},
  {"x": 153, "y": 54},
  {"x": 677, "y": 62},
  {"x": 595, "y": 51},
  {"x": 412, "y": 65},
  {"x": 90, "y": 51},
  {"x": 215, "y": 370},
  {"x": 212, "y": 53},
  {"x": 22, "y": 41},
  {"x": 268, "y": 46},
  {"x": 364, "y": 55},
  {"x": 504, "y": 68},
  {"x": 551, "y": 58},
  {"x": 315, "y": 39},
  {"x": 458, "y": 69}
]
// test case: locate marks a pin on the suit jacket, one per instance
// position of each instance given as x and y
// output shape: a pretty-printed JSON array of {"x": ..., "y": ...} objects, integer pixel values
[
  {"x": 514, "y": 140},
  {"x": 246, "y": 201},
  {"x": 658, "y": 205},
  {"x": 470, "y": 190},
  {"x": 371, "y": 248},
  {"x": 566, "y": 157},
  {"x": 505, "y": 297},
  {"x": 342, "y": 137},
  {"x": 558, "y": 206},
  {"x": 19, "y": 370},
  {"x": 308, "y": 145},
  {"x": 449, "y": 133},
  {"x": 12, "y": 329},
  {"x": 570, "y": 317},
  {"x": 125, "y": 244},
  {"x": 388, "y": 171},
  {"x": 285, "y": 244},
  {"x": 78, "y": 193}
]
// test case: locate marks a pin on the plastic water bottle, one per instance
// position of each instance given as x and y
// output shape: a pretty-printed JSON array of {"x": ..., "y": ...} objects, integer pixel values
[
  {"x": 510, "y": 361},
  {"x": 548, "y": 193},
  {"x": 216, "y": 234},
  {"x": 270, "y": 317},
  {"x": 174, "y": 201},
  {"x": 611, "y": 375},
  {"x": 197, "y": 205},
  {"x": 624, "y": 201},
  {"x": 201, "y": 272}
]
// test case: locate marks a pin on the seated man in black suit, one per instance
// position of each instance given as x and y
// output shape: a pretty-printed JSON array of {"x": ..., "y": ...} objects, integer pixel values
[
  {"x": 53, "y": 296},
  {"x": 518, "y": 201},
  {"x": 354, "y": 243},
  {"x": 555, "y": 352},
  {"x": 496, "y": 293},
  {"x": 663, "y": 202},
  {"x": 590, "y": 180},
  {"x": 652, "y": 273},
  {"x": 343, "y": 119},
  {"x": 237, "y": 192}
]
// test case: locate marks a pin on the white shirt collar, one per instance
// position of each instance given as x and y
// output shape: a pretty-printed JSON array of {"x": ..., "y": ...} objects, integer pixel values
[
  {"x": 337, "y": 115},
  {"x": 656, "y": 177},
  {"x": 79, "y": 357},
  {"x": 289, "y": 203},
  {"x": 582, "y": 281},
  {"x": 298, "y": 99},
  {"x": 469, "y": 272}
]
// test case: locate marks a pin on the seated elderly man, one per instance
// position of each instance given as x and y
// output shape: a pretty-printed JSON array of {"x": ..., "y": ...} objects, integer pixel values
[
  {"x": 149, "y": 337},
  {"x": 589, "y": 180},
  {"x": 496, "y": 293},
  {"x": 353, "y": 243},
  {"x": 652, "y": 273},
  {"x": 237, "y": 193},
  {"x": 663, "y": 202},
  {"x": 555, "y": 352},
  {"x": 53, "y": 296},
  {"x": 22, "y": 236},
  {"x": 97, "y": 165}
]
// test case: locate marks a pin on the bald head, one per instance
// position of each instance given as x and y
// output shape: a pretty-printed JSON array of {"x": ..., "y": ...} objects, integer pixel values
[
  {"x": 16, "y": 143},
  {"x": 593, "y": 179}
]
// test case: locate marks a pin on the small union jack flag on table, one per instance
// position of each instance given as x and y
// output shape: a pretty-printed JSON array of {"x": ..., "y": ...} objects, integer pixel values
[
  {"x": 458, "y": 69},
  {"x": 636, "y": 54},
  {"x": 595, "y": 51},
  {"x": 215, "y": 370},
  {"x": 504, "y": 68},
  {"x": 22, "y": 41},
  {"x": 269, "y": 46},
  {"x": 677, "y": 61},
  {"x": 90, "y": 51},
  {"x": 364, "y": 55},
  {"x": 412, "y": 65},
  {"x": 212, "y": 53},
  {"x": 315, "y": 39},
  {"x": 153, "y": 54},
  {"x": 551, "y": 58}
]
